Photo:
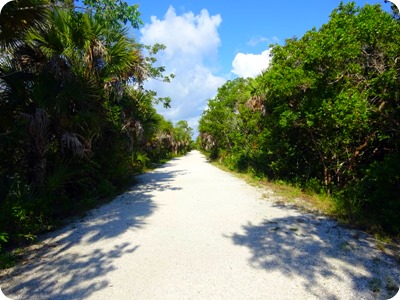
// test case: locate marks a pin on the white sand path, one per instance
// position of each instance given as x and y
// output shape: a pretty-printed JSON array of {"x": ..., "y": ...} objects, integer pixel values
[{"x": 191, "y": 231}]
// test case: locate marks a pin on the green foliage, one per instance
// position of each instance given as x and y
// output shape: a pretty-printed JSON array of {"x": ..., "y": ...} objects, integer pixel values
[
  {"x": 115, "y": 13},
  {"x": 75, "y": 121},
  {"x": 16, "y": 22},
  {"x": 7, "y": 260},
  {"x": 323, "y": 116},
  {"x": 4, "y": 237},
  {"x": 379, "y": 189},
  {"x": 140, "y": 161}
]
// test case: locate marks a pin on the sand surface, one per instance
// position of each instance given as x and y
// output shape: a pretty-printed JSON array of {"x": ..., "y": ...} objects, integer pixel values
[{"x": 191, "y": 231}]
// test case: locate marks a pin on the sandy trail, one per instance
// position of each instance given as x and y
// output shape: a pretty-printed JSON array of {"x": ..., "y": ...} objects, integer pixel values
[{"x": 191, "y": 231}]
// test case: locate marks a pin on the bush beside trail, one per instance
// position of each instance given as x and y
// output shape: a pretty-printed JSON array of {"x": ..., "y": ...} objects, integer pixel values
[{"x": 324, "y": 116}]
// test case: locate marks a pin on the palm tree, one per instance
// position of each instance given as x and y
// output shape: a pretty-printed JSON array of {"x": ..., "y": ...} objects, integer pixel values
[
  {"x": 74, "y": 71},
  {"x": 70, "y": 106},
  {"x": 18, "y": 17}
]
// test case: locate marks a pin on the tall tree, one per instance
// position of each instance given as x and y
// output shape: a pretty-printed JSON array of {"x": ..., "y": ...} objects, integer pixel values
[
  {"x": 73, "y": 112},
  {"x": 325, "y": 114}
]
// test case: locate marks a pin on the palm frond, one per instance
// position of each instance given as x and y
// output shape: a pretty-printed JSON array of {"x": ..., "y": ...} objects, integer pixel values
[
  {"x": 18, "y": 17},
  {"x": 71, "y": 142}
]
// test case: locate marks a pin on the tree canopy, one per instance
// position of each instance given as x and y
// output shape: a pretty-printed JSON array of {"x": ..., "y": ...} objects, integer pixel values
[
  {"x": 325, "y": 115},
  {"x": 75, "y": 120}
]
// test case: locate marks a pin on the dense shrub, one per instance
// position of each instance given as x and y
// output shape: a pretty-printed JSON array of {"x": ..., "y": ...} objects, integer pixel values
[
  {"x": 324, "y": 115},
  {"x": 75, "y": 120}
]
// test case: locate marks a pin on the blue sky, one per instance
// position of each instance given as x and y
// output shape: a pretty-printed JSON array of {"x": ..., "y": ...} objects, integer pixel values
[{"x": 211, "y": 41}]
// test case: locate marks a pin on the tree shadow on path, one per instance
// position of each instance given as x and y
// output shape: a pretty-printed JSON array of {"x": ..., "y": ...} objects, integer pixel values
[
  {"x": 321, "y": 254},
  {"x": 73, "y": 262}
]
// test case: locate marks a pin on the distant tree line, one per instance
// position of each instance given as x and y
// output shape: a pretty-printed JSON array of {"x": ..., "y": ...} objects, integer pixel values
[
  {"x": 75, "y": 120},
  {"x": 325, "y": 115}
]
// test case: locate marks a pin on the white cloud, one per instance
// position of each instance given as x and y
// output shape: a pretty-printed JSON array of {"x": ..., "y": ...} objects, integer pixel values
[
  {"x": 190, "y": 91},
  {"x": 255, "y": 40},
  {"x": 250, "y": 65},
  {"x": 192, "y": 43}
]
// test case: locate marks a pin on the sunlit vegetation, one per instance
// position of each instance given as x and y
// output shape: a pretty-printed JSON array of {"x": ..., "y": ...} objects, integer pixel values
[
  {"x": 75, "y": 120},
  {"x": 325, "y": 116}
]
